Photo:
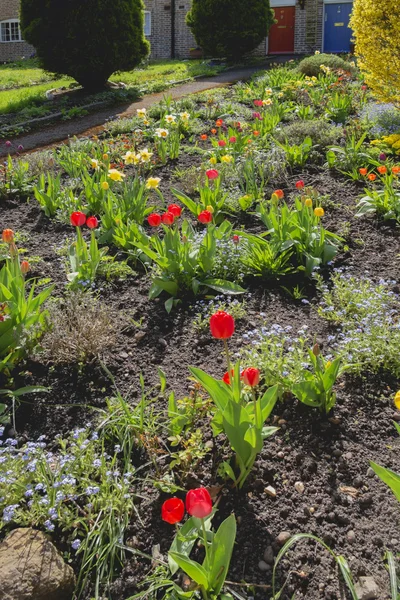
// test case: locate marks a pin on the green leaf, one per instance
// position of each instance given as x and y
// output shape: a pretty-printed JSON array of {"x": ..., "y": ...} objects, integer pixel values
[
  {"x": 225, "y": 287},
  {"x": 221, "y": 551},
  {"x": 389, "y": 477},
  {"x": 191, "y": 568},
  {"x": 169, "y": 304},
  {"x": 183, "y": 543},
  {"x": 397, "y": 427}
]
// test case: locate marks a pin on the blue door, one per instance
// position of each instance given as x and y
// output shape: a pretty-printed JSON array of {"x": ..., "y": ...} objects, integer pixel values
[{"x": 337, "y": 34}]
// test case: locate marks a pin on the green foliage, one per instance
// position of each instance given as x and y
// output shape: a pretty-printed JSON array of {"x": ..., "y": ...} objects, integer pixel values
[
  {"x": 322, "y": 134},
  {"x": 84, "y": 259},
  {"x": 87, "y": 40},
  {"x": 241, "y": 419},
  {"x": 311, "y": 65},
  {"x": 229, "y": 28},
  {"x": 384, "y": 201},
  {"x": 297, "y": 154}
]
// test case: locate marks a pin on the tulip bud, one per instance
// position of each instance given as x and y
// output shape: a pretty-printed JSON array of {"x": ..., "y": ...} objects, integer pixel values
[
  {"x": 24, "y": 267},
  {"x": 316, "y": 350},
  {"x": 7, "y": 236}
]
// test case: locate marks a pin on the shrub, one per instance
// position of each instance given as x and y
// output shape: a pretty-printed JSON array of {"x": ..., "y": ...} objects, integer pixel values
[
  {"x": 86, "y": 40},
  {"x": 229, "y": 28},
  {"x": 311, "y": 65},
  {"x": 376, "y": 27},
  {"x": 322, "y": 134},
  {"x": 381, "y": 119}
]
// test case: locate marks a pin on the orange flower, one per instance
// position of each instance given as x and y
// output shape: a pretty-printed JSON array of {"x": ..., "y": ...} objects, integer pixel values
[
  {"x": 203, "y": 136},
  {"x": 395, "y": 170},
  {"x": 256, "y": 133},
  {"x": 363, "y": 171},
  {"x": 372, "y": 176},
  {"x": 382, "y": 170},
  {"x": 7, "y": 236},
  {"x": 213, "y": 131},
  {"x": 219, "y": 122},
  {"x": 279, "y": 194}
]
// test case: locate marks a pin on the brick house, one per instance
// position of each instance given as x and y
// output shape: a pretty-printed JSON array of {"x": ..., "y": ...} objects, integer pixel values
[{"x": 303, "y": 26}]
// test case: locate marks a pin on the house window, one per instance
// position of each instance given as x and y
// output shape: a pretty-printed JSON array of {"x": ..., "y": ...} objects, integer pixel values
[
  {"x": 147, "y": 23},
  {"x": 10, "y": 31}
]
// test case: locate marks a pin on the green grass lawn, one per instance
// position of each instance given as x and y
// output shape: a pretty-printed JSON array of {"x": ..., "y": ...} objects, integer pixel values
[{"x": 23, "y": 84}]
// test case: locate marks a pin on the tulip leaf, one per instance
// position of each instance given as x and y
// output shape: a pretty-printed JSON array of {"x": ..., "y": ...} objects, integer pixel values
[
  {"x": 183, "y": 543},
  {"x": 223, "y": 286},
  {"x": 389, "y": 477},
  {"x": 191, "y": 568},
  {"x": 221, "y": 553}
]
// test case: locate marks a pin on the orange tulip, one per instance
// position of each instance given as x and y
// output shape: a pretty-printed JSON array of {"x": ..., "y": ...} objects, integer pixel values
[
  {"x": 279, "y": 194},
  {"x": 372, "y": 176},
  {"x": 7, "y": 236},
  {"x": 213, "y": 131},
  {"x": 382, "y": 170},
  {"x": 203, "y": 136},
  {"x": 395, "y": 170},
  {"x": 363, "y": 171}
]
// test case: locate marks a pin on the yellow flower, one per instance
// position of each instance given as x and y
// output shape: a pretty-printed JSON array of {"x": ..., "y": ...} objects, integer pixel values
[
  {"x": 185, "y": 116},
  {"x": 308, "y": 202},
  {"x": 280, "y": 95},
  {"x": 141, "y": 112},
  {"x": 317, "y": 52},
  {"x": 105, "y": 185},
  {"x": 226, "y": 158},
  {"x": 105, "y": 156},
  {"x": 267, "y": 102},
  {"x": 170, "y": 118},
  {"x": 328, "y": 364},
  {"x": 319, "y": 211},
  {"x": 146, "y": 122},
  {"x": 130, "y": 158},
  {"x": 152, "y": 183},
  {"x": 210, "y": 209},
  {"x": 397, "y": 400},
  {"x": 95, "y": 164},
  {"x": 268, "y": 91},
  {"x": 161, "y": 133},
  {"x": 115, "y": 175},
  {"x": 146, "y": 155},
  {"x": 213, "y": 160}
]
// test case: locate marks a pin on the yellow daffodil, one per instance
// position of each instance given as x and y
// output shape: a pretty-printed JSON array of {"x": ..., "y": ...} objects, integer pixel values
[
  {"x": 129, "y": 158},
  {"x": 185, "y": 116},
  {"x": 145, "y": 155},
  {"x": 319, "y": 211},
  {"x": 227, "y": 158},
  {"x": 115, "y": 175},
  {"x": 317, "y": 52},
  {"x": 105, "y": 185},
  {"x": 105, "y": 156},
  {"x": 267, "y": 102},
  {"x": 210, "y": 209},
  {"x": 152, "y": 183},
  {"x": 397, "y": 400},
  {"x": 146, "y": 122},
  {"x": 268, "y": 91},
  {"x": 141, "y": 112},
  {"x": 161, "y": 133},
  {"x": 95, "y": 164},
  {"x": 170, "y": 118}
]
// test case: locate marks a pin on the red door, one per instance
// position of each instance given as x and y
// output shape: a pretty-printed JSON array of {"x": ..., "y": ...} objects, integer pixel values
[{"x": 281, "y": 34}]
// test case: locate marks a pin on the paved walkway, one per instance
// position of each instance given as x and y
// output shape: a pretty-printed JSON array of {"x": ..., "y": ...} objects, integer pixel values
[{"x": 93, "y": 123}]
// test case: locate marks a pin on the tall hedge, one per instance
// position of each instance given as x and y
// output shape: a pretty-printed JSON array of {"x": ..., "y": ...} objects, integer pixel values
[
  {"x": 86, "y": 39},
  {"x": 376, "y": 26},
  {"x": 230, "y": 28}
]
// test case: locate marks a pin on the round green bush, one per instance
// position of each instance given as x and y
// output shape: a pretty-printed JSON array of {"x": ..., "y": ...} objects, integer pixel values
[
  {"x": 86, "y": 39},
  {"x": 311, "y": 65},
  {"x": 230, "y": 28}
]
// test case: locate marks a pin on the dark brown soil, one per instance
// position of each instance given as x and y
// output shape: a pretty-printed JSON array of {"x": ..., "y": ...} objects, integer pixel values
[{"x": 352, "y": 511}]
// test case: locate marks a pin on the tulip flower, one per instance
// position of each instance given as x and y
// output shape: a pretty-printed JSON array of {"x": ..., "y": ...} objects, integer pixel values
[
  {"x": 372, "y": 176},
  {"x": 205, "y": 217},
  {"x": 235, "y": 239},
  {"x": 25, "y": 266},
  {"x": 20, "y": 148},
  {"x": 199, "y": 503},
  {"x": 168, "y": 218},
  {"x": 227, "y": 377},
  {"x": 172, "y": 511},
  {"x": 212, "y": 174},
  {"x": 300, "y": 184},
  {"x": 154, "y": 220},
  {"x": 279, "y": 194},
  {"x": 256, "y": 115},
  {"x": 204, "y": 136},
  {"x": 8, "y": 144},
  {"x": 219, "y": 122},
  {"x": 382, "y": 156},
  {"x": 77, "y": 219},
  {"x": 222, "y": 143},
  {"x": 258, "y": 102},
  {"x": 395, "y": 170},
  {"x": 363, "y": 171},
  {"x": 105, "y": 185},
  {"x": 308, "y": 202},
  {"x": 319, "y": 211},
  {"x": 232, "y": 139},
  {"x": 92, "y": 222},
  {"x": 213, "y": 131},
  {"x": 397, "y": 400},
  {"x": 256, "y": 134},
  {"x": 222, "y": 325},
  {"x": 175, "y": 210},
  {"x": 7, "y": 236},
  {"x": 251, "y": 376},
  {"x": 382, "y": 170}
]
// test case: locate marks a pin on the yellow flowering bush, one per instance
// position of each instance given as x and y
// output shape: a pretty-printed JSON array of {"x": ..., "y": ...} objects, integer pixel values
[{"x": 376, "y": 27}]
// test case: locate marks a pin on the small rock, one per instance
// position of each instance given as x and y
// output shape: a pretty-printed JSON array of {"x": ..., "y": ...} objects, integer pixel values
[
  {"x": 263, "y": 566},
  {"x": 396, "y": 416},
  {"x": 337, "y": 453},
  {"x": 358, "y": 482},
  {"x": 209, "y": 445},
  {"x": 395, "y": 543},
  {"x": 139, "y": 336},
  {"x": 370, "y": 472},
  {"x": 269, "y": 555},
  {"x": 270, "y": 491},
  {"x": 280, "y": 455},
  {"x": 367, "y": 589},
  {"x": 283, "y": 537},
  {"x": 31, "y": 567},
  {"x": 351, "y": 536},
  {"x": 124, "y": 355},
  {"x": 299, "y": 487},
  {"x": 163, "y": 343}
]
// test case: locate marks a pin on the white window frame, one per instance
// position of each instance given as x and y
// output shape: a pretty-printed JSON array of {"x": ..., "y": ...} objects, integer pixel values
[
  {"x": 10, "y": 21},
  {"x": 147, "y": 13}
]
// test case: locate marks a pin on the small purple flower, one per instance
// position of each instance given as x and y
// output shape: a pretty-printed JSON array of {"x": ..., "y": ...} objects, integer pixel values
[
  {"x": 20, "y": 148},
  {"x": 49, "y": 525},
  {"x": 76, "y": 544},
  {"x": 382, "y": 156},
  {"x": 8, "y": 143}
]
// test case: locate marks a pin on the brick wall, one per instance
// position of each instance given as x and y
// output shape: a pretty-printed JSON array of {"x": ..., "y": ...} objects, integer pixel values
[
  {"x": 160, "y": 37},
  {"x": 9, "y": 51}
]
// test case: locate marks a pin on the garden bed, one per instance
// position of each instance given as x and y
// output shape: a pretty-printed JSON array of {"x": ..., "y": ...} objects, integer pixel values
[{"x": 314, "y": 475}]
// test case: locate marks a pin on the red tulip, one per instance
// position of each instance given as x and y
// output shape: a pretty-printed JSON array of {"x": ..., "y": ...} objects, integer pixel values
[
  {"x": 232, "y": 139},
  {"x": 256, "y": 115},
  {"x": 222, "y": 325},
  {"x": 172, "y": 511},
  {"x": 219, "y": 122},
  {"x": 199, "y": 503},
  {"x": 251, "y": 376},
  {"x": 235, "y": 239},
  {"x": 227, "y": 377},
  {"x": 154, "y": 220},
  {"x": 212, "y": 174},
  {"x": 279, "y": 193},
  {"x": 175, "y": 210},
  {"x": 25, "y": 266},
  {"x": 300, "y": 184},
  {"x": 222, "y": 143},
  {"x": 92, "y": 222},
  {"x": 205, "y": 217},
  {"x": 203, "y": 136},
  {"x": 78, "y": 219},
  {"x": 7, "y": 236},
  {"x": 168, "y": 218},
  {"x": 258, "y": 102}
]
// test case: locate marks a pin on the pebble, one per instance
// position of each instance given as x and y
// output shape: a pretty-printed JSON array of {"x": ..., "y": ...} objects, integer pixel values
[
  {"x": 124, "y": 355},
  {"x": 283, "y": 537},
  {"x": 280, "y": 455},
  {"x": 395, "y": 543},
  {"x": 139, "y": 336},
  {"x": 358, "y": 482},
  {"x": 370, "y": 472},
  {"x": 263, "y": 566},
  {"x": 269, "y": 555},
  {"x": 271, "y": 491},
  {"x": 367, "y": 589},
  {"x": 299, "y": 487},
  {"x": 351, "y": 536},
  {"x": 163, "y": 343},
  {"x": 396, "y": 416}
]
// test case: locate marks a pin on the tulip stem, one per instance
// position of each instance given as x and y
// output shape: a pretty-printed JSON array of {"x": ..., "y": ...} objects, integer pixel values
[
  {"x": 203, "y": 528},
  {"x": 257, "y": 416},
  {"x": 228, "y": 359}
]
